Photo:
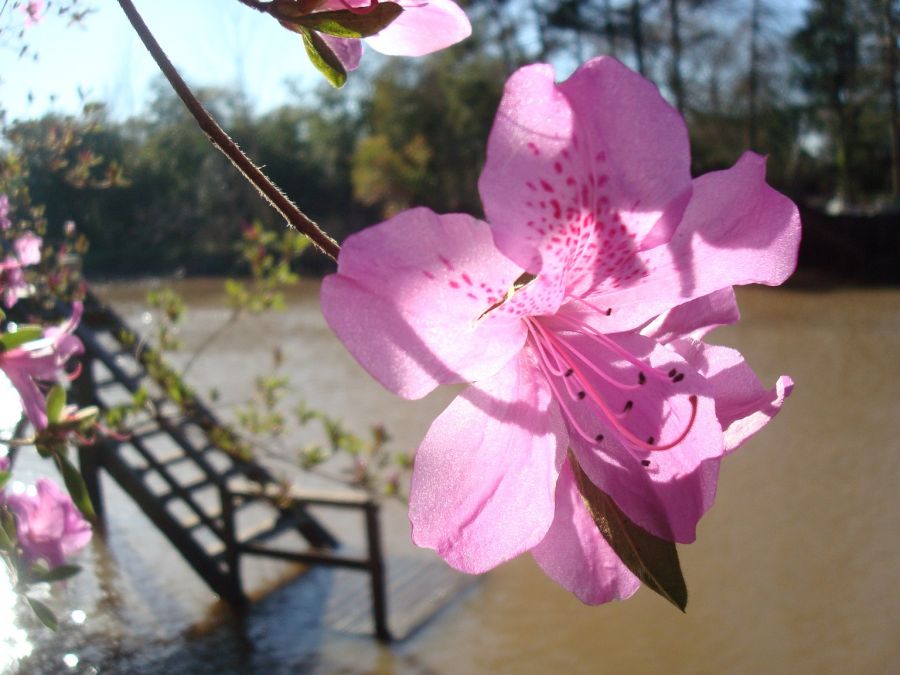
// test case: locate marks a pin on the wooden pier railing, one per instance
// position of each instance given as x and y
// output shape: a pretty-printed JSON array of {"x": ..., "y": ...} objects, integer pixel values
[{"x": 214, "y": 506}]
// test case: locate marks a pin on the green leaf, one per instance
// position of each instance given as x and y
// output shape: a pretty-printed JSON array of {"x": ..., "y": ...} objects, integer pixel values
[
  {"x": 76, "y": 487},
  {"x": 4, "y": 478},
  {"x": 44, "y": 613},
  {"x": 61, "y": 573},
  {"x": 346, "y": 24},
  {"x": 6, "y": 543},
  {"x": 652, "y": 560},
  {"x": 324, "y": 59},
  {"x": 21, "y": 336},
  {"x": 8, "y": 523},
  {"x": 56, "y": 401}
]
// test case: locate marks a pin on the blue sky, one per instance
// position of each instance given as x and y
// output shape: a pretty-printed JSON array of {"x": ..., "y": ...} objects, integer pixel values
[{"x": 212, "y": 42}]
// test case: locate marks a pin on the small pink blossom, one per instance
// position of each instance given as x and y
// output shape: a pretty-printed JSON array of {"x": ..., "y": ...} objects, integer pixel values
[
  {"x": 33, "y": 11},
  {"x": 41, "y": 361},
  {"x": 578, "y": 314},
  {"x": 49, "y": 527},
  {"x": 423, "y": 27},
  {"x": 26, "y": 251}
]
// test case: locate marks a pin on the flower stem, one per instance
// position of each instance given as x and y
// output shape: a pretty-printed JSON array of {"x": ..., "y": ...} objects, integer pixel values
[
  {"x": 223, "y": 141},
  {"x": 255, "y": 4}
]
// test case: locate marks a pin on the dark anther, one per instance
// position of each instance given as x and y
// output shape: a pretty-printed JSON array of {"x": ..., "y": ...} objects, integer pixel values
[
  {"x": 609, "y": 311},
  {"x": 569, "y": 372},
  {"x": 693, "y": 399},
  {"x": 645, "y": 462},
  {"x": 581, "y": 395},
  {"x": 651, "y": 440},
  {"x": 678, "y": 378},
  {"x": 599, "y": 438},
  {"x": 628, "y": 406},
  {"x": 642, "y": 379},
  {"x": 673, "y": 372}
]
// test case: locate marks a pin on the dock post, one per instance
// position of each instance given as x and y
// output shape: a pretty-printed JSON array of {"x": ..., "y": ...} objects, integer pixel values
[{"x": 376, "y": 570}]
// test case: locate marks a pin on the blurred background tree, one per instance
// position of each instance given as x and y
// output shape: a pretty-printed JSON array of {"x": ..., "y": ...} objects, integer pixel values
[{"x": 819, "y": 99}]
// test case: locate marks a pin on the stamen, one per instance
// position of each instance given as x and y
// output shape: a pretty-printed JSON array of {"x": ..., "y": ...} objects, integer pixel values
[
  {"x": 613, "y": 346},
  {"x": 642, "y": 379},
  {"x": 678, "y": 378},
  {"x": 604, "y": 408},
  {"x": 607, "y": 311},
  {"x": 581, "y": 395},
  {"x": 599, "y": 438},
  {"x": 628, "y": 406},
  {"x": 645, "y": 462},
  {"x": 590, "y": 362}
]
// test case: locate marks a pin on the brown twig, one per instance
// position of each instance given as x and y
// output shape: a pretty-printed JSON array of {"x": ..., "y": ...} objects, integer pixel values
[
  {"x": 223, "y": 141},
  {"x": 255, "y": 4}
]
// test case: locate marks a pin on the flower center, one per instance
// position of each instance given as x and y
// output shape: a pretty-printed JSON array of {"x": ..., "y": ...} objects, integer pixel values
[{"x": 577, "y": 377}]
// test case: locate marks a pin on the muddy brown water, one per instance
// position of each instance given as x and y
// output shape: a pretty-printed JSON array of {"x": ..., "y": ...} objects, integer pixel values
[{"x": 796, "y": 568}]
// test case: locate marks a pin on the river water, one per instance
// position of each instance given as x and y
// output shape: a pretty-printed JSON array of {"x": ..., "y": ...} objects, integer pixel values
[{"x": 796, "y": 568}]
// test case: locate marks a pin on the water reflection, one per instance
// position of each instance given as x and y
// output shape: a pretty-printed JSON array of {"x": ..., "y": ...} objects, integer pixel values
[
  {"x": 796, "y": 568},
  {"x": 14, "y": 642}
]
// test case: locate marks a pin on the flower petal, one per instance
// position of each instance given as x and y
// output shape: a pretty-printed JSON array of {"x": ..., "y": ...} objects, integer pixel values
[
  {"x": 348, "y": 50},
  {"x": 669, "y": 494},
  {"x": 33, "y": 403},
  {"x": 579, "y": 175},
  {"x": 743, "y": 404},
  {"x": 408, "y": 299},
  {"x": 483, "y": 483},
  {"x": 576, "y": 556},
  {"x": 695, "y": 318},
  {"x": 422, "y": 28},
  {"x": 736, "y": 230}
]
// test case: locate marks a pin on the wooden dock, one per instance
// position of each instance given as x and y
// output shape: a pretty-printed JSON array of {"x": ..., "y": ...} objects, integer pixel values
[{"x": 222, "y": 510}]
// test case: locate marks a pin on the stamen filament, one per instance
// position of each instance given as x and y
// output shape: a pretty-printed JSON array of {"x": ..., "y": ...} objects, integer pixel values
[
  {"x": 613, "y": 346},
  {"x": 612, "y": 417}
]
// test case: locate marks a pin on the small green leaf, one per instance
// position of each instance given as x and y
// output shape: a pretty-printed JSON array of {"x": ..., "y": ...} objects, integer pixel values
[
  {"x": 56, "y": 401},
  {"x": 21, "y": 336},
  {"x": 652, "y": 560},
  {"x": 6, "y": 544},
  {"x": 4, "y": 478},
  {"x": 324, "y": 59},
  {"x": 8, "y": 523},
  {"x": 346, "y": 24},
  {"x": 85, "y": 416},
  {"x": 44, "y": 613},
  {"x": 76, "y": 487},
  {"x": 61, "y": 573}
]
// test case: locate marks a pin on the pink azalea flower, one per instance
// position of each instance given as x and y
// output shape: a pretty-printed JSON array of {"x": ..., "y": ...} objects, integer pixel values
[
  {"x": 33, "y": 11},
  {"x": 425, "y": 26},
  {"x": 598, "y": 348},
  {"x": 27, "y": 251},
  {"x": 49, "y": 526},
  {"x": 41, "y": 361}
]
